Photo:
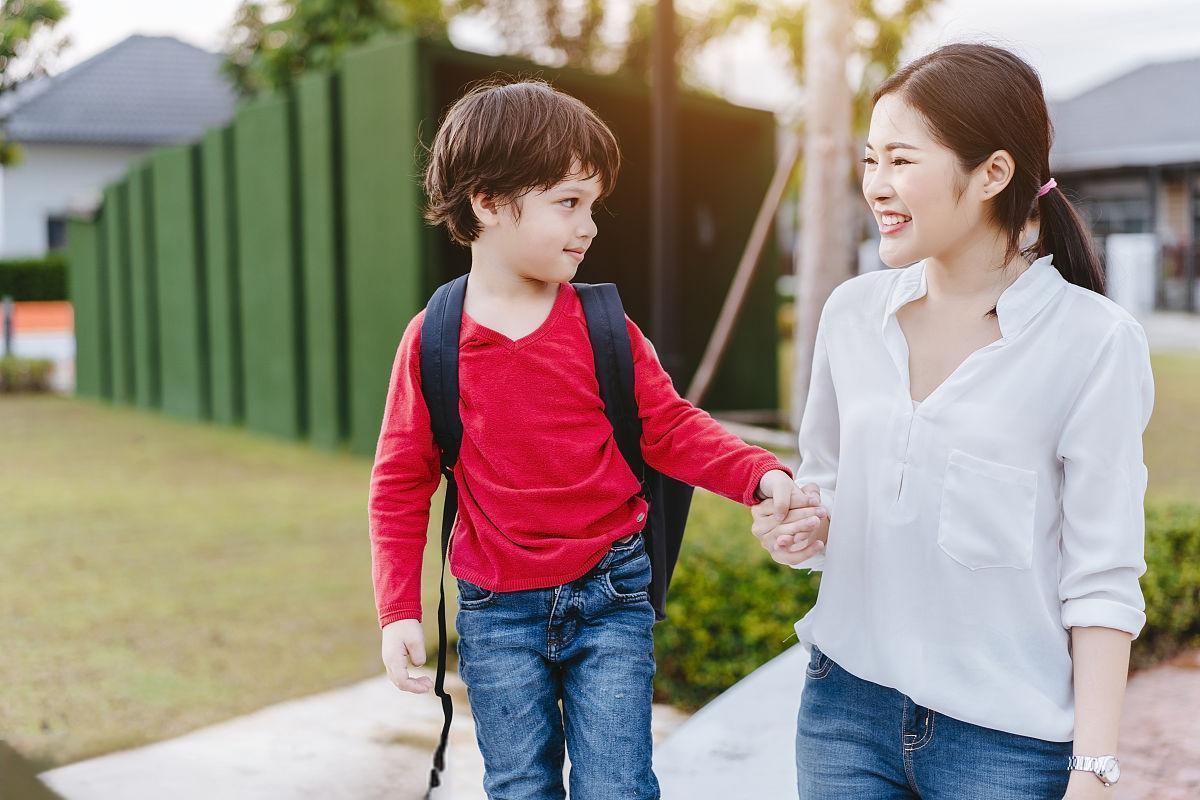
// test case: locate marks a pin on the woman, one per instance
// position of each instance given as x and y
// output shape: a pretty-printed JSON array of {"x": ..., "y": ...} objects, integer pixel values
[{"x": 978, "y": 418}]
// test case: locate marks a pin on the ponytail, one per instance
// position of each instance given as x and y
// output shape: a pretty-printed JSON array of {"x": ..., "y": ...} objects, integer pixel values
[{"x": 1063, "y": 233}]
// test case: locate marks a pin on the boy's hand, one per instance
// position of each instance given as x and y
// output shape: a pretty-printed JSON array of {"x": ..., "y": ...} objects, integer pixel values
[
  {"x": 775, "y": 489},
  {"x": 404, "y": 644},
  {"x": 798, "y": 534}
]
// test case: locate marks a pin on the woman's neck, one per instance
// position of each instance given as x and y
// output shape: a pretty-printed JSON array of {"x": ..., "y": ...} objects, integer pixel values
[{"x": 973, "y": 274}]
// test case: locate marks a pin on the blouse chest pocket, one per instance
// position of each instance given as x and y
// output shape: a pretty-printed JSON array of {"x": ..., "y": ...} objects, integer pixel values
[{"x": 987, "y": 513}]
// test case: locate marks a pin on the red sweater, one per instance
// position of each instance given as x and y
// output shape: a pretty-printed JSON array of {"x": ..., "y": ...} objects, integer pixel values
[{"x": 543, "y": 488}]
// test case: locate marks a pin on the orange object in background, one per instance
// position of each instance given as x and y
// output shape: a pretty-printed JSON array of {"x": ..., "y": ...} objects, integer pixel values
[{"x": 43, "y": 316}]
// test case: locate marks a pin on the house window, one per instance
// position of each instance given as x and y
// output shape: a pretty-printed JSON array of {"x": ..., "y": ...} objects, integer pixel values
[
  {"x": 56, "y": 233},
  {"x": 1118, "y": 215}
]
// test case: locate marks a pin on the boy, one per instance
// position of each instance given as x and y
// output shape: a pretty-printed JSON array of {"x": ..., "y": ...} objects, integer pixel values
[{"x": 547, "y": 548}]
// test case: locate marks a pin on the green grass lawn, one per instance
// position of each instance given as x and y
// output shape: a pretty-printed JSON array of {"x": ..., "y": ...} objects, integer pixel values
[
  {"x": 1172, "y": 438},
  {"x": 161, "y": 575}
]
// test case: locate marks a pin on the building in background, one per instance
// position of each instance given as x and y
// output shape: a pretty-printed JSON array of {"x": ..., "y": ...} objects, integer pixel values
[
  {"x": 80, "y": 129},
  {"x": 1128, "y": 151}
]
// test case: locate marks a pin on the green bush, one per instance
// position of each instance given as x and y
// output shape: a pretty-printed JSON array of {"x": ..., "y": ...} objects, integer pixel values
[
  {"x": 25, "y": 374},
  {"x": 1171, "y": 584},
  {"x": 35, "y": 278},
  {"x": 731, "y": 608}
]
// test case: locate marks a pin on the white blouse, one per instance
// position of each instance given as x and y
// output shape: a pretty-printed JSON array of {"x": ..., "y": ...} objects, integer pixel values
[{"x": 970, "y": 532}]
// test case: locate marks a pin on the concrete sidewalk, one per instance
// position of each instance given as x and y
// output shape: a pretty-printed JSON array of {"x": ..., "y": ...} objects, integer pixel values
[
  {"x": 741, "y": 745},
  {"x": 368, "y": 741},
  {"x": 1172, "y": 331}
]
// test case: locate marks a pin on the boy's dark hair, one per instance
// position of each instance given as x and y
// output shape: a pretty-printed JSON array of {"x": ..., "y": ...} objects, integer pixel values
[{"x": 506, "y": 139}]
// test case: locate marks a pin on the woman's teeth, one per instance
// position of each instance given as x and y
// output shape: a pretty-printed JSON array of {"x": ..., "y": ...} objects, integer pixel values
[{"x": 894, "y": 219}]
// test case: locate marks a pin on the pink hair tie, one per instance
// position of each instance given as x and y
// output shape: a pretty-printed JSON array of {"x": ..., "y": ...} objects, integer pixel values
[{"x": 1050, "y": 184}]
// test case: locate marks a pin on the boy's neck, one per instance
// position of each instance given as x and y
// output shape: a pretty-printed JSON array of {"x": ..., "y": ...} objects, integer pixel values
[{"x": 496, "y": 281}]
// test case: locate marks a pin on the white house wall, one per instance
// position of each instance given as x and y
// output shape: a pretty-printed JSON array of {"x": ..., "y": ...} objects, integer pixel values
[{"x": 53, "y": 180}]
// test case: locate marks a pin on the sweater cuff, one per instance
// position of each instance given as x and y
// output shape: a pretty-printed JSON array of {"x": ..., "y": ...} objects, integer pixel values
[
  {"x": 404, "y": 613},
  {"x": 763, "y": 467}
]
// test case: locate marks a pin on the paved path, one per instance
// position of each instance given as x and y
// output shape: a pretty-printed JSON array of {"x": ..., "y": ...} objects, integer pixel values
[
  {"x": 1172, "y": 330},
  {"x": 367, "y": 741}
]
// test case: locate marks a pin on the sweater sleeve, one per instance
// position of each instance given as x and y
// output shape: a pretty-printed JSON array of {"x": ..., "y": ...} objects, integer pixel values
[
  {"x": 405, "y": 475},
  {"x": 684, "y": 442},
  {"x": 1104, "y": 486}
]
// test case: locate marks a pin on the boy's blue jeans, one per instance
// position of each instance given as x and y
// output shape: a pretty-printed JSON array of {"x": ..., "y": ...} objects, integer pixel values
[
  {"x": 857, "y": 739},
  {"x": 588, "y": 645}
]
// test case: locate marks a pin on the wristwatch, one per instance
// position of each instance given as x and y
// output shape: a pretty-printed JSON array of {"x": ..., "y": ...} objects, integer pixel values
[{"x": 1106, "y": 768}]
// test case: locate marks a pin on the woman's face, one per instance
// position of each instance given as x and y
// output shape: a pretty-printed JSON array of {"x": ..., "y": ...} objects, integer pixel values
[{"x": 920, "y": 197}]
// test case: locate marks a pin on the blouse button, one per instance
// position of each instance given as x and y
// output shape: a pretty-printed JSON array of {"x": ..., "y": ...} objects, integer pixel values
[{"x": 641, "y": 517}]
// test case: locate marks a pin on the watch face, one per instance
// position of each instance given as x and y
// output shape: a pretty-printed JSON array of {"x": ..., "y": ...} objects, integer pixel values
[{"x": 1110, "y": 770}]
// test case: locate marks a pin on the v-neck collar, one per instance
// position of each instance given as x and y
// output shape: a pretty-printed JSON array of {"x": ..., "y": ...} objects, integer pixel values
[
  {"x": 1018, "y": 304},
  {"x": 478, "y": 329}
]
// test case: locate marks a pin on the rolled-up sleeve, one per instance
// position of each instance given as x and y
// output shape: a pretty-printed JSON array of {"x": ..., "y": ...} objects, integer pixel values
[
  {"x": 820, "y": 432},
  {"x": 1104, "y": 487}
]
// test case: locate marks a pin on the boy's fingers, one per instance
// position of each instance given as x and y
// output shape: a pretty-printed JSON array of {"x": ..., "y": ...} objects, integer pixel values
[
  {"x": 419, "y": 685},
  {"x": 416, "y": 653},
  {"x": 780, "y": 500}
]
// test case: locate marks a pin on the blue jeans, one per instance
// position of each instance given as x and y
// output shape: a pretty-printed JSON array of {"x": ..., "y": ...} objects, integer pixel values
[
  {"x": 588, "y": 645},
  {"x": 857, "y": 739}
]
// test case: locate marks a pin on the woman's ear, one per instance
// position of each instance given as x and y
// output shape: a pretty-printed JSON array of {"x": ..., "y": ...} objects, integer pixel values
[{"x": 996, "y": 173}]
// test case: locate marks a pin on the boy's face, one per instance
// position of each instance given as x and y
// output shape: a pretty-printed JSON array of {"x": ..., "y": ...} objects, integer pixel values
[{"x": 555, "y": 228}]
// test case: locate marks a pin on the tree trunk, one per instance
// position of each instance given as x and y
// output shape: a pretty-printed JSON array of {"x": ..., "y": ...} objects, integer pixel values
[{"x": 824, "y": 256}]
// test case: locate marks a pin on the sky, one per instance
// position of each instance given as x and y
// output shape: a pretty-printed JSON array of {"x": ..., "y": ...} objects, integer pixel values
[{"x": 1074, "y": 44}]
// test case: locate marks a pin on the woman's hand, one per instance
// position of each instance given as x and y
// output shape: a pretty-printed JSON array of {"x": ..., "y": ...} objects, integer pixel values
[
  {"x": 796, "y": 535},
  {"x": 1085, "y": 786}
]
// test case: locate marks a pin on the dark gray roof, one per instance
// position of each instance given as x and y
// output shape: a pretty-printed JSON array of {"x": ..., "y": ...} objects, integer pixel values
[
  {"x": 1150, "y": 116},
  {"x": 144, "y": 90}
]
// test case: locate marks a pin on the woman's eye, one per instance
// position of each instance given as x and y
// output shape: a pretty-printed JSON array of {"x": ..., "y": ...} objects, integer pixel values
[
  {"x": 898, "y": 161},
  {"x": 573, "y": 200},
  {"x": 867, "y": 160}
]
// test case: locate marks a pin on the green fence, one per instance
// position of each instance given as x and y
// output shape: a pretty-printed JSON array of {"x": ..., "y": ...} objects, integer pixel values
[{"x": 263, "y": 276}]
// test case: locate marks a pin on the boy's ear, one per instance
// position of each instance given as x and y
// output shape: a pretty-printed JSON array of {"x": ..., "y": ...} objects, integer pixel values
[{"x": 486, "y": 209}]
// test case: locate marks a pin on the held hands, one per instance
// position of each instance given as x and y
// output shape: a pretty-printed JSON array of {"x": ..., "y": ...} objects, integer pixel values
[
  {"x": 404, "y": 644},
  {"x": 791, "y": 524}
]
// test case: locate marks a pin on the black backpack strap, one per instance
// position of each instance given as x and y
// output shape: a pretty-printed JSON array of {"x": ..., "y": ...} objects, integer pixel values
[
  {"x": 439, "y": 386},
  {"x": 439, "y": 366},
  {"x": 668, "y": 499},
  {"x": 613, "y": 354}
]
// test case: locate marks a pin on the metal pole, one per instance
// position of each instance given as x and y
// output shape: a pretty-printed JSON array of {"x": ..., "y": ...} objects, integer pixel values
[{"x": 8, "y": 325}]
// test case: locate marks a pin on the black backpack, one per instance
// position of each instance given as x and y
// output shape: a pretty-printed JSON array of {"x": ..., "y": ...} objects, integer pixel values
[{"x": 669, "y": 500}]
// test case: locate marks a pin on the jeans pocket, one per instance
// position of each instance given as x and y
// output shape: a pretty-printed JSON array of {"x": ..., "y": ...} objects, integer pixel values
[
  {"x": 819, "y": 665},
  {"x": 987, "y": 513},
  {"x": 628, "y": 580},
  {"x": 472, "y": 597}
]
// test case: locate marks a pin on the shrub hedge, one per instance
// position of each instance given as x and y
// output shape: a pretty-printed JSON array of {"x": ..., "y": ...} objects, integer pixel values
[{"x": 34, "y": 278}]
